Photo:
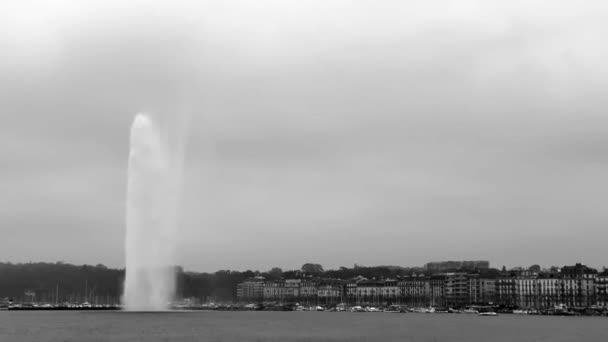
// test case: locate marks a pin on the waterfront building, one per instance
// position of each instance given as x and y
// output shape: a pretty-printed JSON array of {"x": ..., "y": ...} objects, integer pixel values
[
  {"x": 505, "y": 290},
  {"x": 548, "y": 287},
  {"x": 526, "y": 291},
  {"x": 274, "y": 291},
  {"x": 282, "y": 291},
  {"x": 369, "y": 292},
  {"x": 601, "y": 289},
  {"x": 456, "y": 290},
  {"x": 578, "y": 286},
  {"x": 414, "y": 290},
  {"x": 291, "y": 290},
  {"x": 390, "y": 292},
  {"x": 330, "y": 291},
  {"x": 351, "y": 291},
  {"x": 251, "y": 290},
  {"x": 437, "y": 290},
  {"x": 308, "y": 291},
  {"x": 482, "y": 291}
]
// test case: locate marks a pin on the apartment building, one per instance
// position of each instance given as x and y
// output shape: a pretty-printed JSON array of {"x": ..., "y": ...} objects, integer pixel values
[
  {"x": 456, "y": 289},
  {"x": 578, "y": 286},
  {"x": 390, "y": 292},
  {"x": 414, "y": 290},
  {"x": 437, "y": 290},
  {"x": 482, "y": 291},
  {"x": 506, "y": 290},
  {"x": 274, "y": 290},
  {"x": 308, "y": 291},
  {"x": 548, "y": 290},
  {"x": 330, "y": 291},
  {"x": 368, "y": 291},
  {"x": 251, "y": 290},
  {"x": 526, "y": 291},
  {"x": 601, "y": 289},
  {"x": 291, "y": 290}
]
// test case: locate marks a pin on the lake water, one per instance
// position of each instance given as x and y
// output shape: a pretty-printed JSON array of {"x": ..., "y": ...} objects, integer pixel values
[{"x": 294, "y": 326}]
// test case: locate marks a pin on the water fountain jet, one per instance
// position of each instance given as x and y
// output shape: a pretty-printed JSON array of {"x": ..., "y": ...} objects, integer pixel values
[{"x": 152, "y": 196}]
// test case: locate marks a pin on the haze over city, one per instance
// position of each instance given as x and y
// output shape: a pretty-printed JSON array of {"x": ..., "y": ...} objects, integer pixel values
[{"x": 341, "y": 132}]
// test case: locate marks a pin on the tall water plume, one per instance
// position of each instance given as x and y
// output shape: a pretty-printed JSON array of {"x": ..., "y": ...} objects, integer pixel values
[{"x": 152, "y": 200}]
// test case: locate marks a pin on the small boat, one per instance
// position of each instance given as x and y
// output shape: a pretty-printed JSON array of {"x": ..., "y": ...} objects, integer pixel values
[
  {"x": 471, "y": 311},
  {"x": 489, "y": 313},
  {"x": 395, "y": 309}
]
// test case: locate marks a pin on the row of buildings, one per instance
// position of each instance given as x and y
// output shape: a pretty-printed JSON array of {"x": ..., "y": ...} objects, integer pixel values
[{"x": 573, "y": 286}]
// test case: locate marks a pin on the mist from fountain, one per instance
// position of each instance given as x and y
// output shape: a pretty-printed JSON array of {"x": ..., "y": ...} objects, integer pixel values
[{"x": 151, "y": 217}]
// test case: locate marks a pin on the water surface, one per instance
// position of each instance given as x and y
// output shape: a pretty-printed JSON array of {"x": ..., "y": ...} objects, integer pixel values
[{"x": 294, "y": 326}]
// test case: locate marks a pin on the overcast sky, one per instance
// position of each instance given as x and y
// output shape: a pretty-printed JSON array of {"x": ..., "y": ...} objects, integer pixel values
[{"x": 337, "y": 132}]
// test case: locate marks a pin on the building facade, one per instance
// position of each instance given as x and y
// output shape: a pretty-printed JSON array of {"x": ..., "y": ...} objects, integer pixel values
[
  {"x": 330, "y": 292},
  {"x": 456, "y": 290},
  {"x": 437, "y": 291},
  {"x": 369, "y": 292},
  {"x": 548, "y": 287},
  {"x": 482, "y": 291},
  {"x": 601, "y": 287},
  {"x": 506, "y": 294},
  {"x": 251, "y": 290},
  {"x": 578, "y": 286},
  {"x": 308, "y": 291},
  {"x": 390, "y": 293},
  {"x": 572, "y": 287},
  {"x": 526, "y": 291},
  {"x": 414, "y": 291}
]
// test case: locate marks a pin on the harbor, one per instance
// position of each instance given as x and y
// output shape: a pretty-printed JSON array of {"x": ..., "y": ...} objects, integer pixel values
[{"x": 342, "y": 307}]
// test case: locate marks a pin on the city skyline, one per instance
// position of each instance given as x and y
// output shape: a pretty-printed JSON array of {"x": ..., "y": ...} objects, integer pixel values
[
  {"x": 350, "y": 132},
  {"x": 448, "y": 283}
]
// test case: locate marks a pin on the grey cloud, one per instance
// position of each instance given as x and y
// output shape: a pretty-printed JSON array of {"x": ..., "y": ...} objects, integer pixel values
[{"x": 366, "y": 133}]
